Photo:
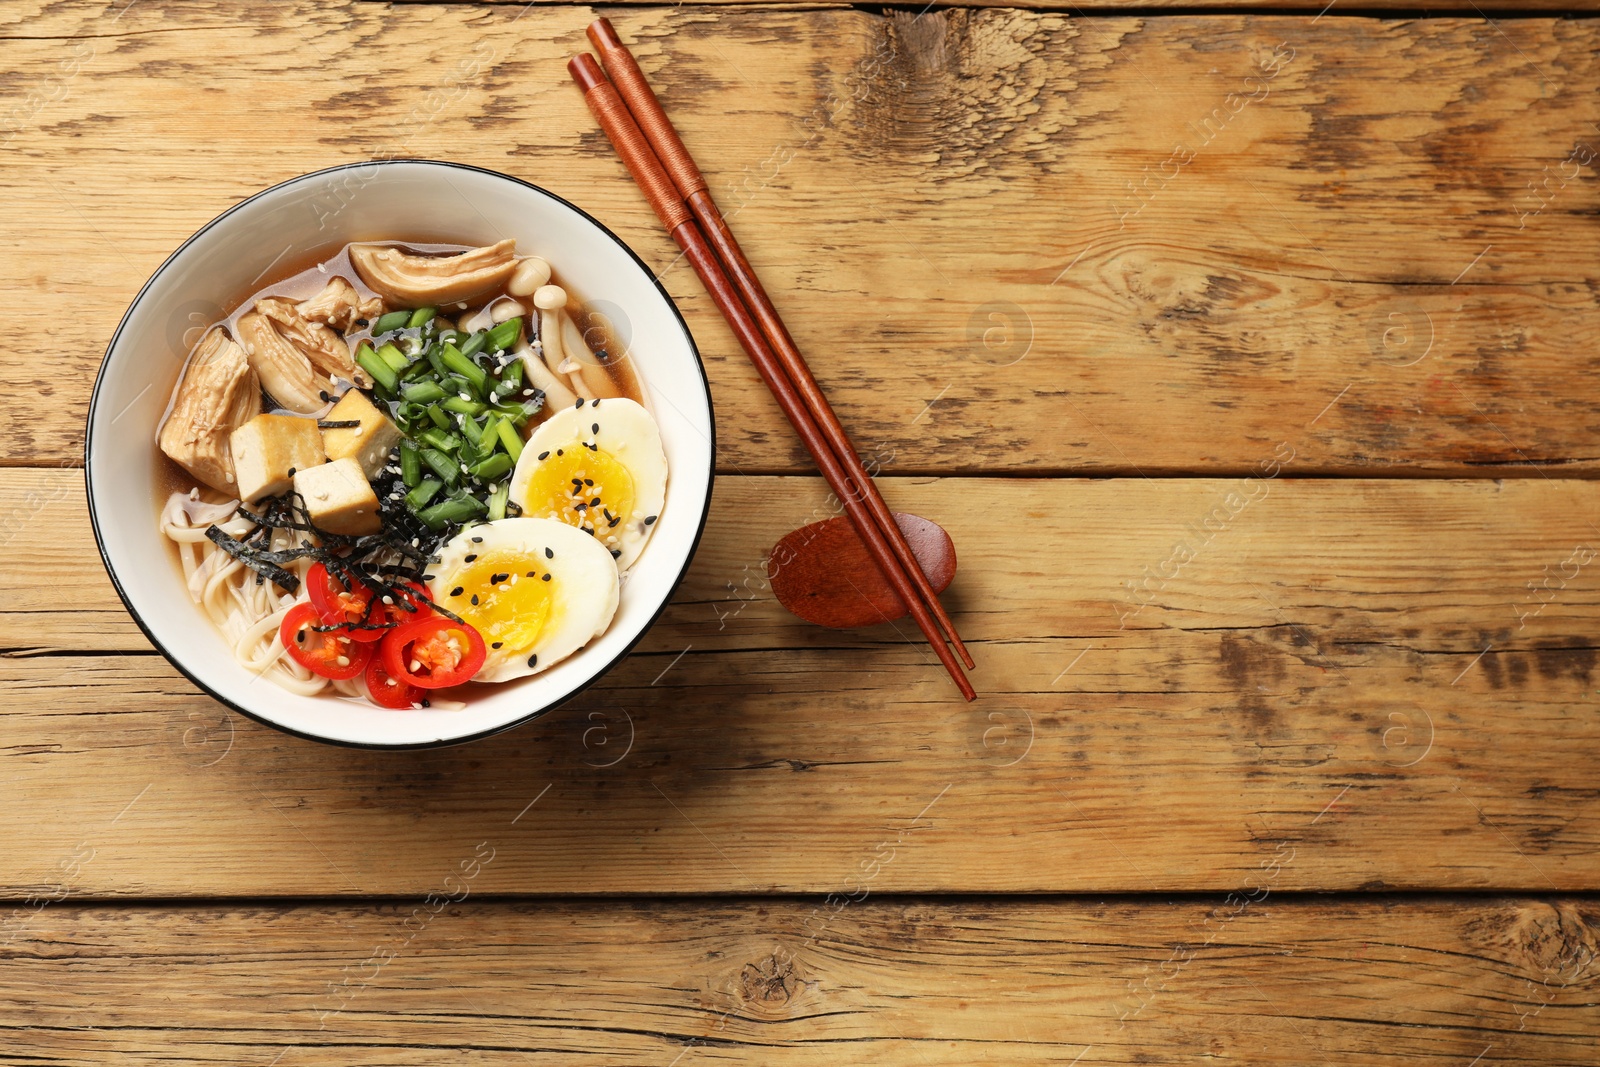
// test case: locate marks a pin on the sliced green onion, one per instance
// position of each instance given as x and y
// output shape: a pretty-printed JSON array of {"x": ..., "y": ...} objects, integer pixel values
[
  {"x": 505, "y": 335},
  {"x": 440, "y": 418},
  {"x": 439, "y": 439},
  {"x": 442, "y": 465},
  {"x": 512, "y": 375},
  {"x": 422, "y": 315},
  {"x": 520, "y": 413},
  {"x": 497, "y": 501},
  {"x": 464, "y": 407},
  {"x": 394, "y": 357},
  {"x": 381, "y": 372},
  {"x": 460, "y": 364},
  {"x": 425, "y": 491},
  {"x": 395, "y": 320},
  {"x": 475, "y": 344},
  {"x": 410, "y": 465},
  {"x": 424, "y": 392},
  {"x": 492, "y": 468},
  {"x": 456, "y": 509},
  {"x": 510, "y": 438}
]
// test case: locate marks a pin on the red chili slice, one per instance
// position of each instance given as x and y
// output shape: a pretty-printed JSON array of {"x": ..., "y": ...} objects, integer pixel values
[
  {"x": 389, "y": 692},
  {"x": 353, "y": 607},
  {"x": 320, "y": 652},
  {"x": 445, "y": 652},
  {"x": 339, "y": 606}
]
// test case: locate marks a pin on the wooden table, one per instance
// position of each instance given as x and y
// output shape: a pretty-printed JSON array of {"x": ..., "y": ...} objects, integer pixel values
[{"x": 1250, "y": 360}]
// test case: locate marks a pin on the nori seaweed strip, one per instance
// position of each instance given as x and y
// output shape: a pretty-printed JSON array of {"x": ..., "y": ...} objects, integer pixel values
[
  {"x": 286, "y": 581},
  {"x": 338, "y": 424}
]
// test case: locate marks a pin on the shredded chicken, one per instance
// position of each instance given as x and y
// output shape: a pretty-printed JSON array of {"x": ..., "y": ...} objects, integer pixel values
[
  {"x": 339, "y": 306},
  {"x": 284, "y": 370},
  {"x": 315, "y": 327},
  {"x": 219, "y": 393}
]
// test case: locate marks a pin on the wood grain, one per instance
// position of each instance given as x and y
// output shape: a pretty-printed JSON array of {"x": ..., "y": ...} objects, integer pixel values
[
  {"x": 977, "y": 221},
  {"x": 400, "y": 984},
  {"x": 1354, "y": 669}
]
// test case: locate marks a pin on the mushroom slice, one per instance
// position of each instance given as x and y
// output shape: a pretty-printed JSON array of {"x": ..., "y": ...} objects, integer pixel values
[
  {"x": 318, "y": 342},
  {"x": 284, "y": 371},
  {"x": 339, "y": 306},
  {"x": 219, "y": 393},
  {"x": 405, "y": 279}
]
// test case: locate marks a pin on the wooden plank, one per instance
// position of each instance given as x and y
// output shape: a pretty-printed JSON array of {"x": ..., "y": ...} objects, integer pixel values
[
  {"x": 1467, "y": 980},
  {"x": 1378, "y": 238},
  {"x": 1358, "y": 670}
]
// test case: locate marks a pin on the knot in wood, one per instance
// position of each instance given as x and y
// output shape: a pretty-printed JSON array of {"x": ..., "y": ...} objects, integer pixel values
[
  {"x": 1554, "y": 940},
  {"x": 770, "y": 983}
]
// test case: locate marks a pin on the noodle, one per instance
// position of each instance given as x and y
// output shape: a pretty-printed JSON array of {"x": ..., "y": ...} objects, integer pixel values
[{"x": 245, "y": 610}]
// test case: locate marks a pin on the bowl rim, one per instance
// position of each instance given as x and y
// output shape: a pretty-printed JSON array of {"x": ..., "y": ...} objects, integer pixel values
[{"x": 116, "y": 583}]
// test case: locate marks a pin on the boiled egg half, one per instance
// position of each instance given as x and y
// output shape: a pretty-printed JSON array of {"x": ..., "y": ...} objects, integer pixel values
[
  {"x": 598, "y": 467},
  {"x": 536, "y": 589}
]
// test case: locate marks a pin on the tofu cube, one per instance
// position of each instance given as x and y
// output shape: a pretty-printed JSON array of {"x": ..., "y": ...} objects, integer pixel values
[
  {"x": 370, "y": 443},
  {"x": 339, "y": 498},
  {"x": 269, "y": 449}
]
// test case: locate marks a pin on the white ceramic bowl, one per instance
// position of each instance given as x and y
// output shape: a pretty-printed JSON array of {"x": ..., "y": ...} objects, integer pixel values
[{"x": 292, "y": 223}]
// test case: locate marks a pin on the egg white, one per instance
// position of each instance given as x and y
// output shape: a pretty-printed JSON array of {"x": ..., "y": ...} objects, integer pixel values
[
  {"x": 629, "y": 434},
  {"x": 583, "y": 587}
]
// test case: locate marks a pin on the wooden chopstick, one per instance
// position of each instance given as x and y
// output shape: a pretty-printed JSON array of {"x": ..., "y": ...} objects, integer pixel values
[
  {"x": 658, "y": 189},
  {"x": 658, "y": 130}
]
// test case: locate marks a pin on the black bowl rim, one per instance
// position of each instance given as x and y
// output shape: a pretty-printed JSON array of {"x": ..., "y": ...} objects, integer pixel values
[{"x": 99, "y": 539}]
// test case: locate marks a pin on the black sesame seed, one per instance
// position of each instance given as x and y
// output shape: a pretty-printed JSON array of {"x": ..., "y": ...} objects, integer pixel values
[
  {"x": 457, "y": 591},
  {"x": 469, "y": 557},
  {"x": 546, "y": 578},
  {"x": 533, "y": 660},
  {"x": 477, "y": 540},
  {"x": 361, "y": 322},
  {"x": 580, "y": 402},
  {"x": 602, "y": 355},
  {"x": 323, "y": 393},
  {"x": 474, "y": 599},
  {"x": 300, "y": 636},
  {"x": 595, "y": 502},
  {"x": 428, "y": 577},
  {"x": 427, "y": 703},
  {"x": 616, "y": 553},
  {"x": 496, "y": 644},
  {"x": 496, "y": 579},
  {"x": 544, "y": 455},
  {"x": 650, "y": 519},
  {"x": 588, "y": 530},
  {"x": 579, "y": 506},
  {"x": 614, "y": 520},
  {"x": 548, "y": 554},
  {"x": 595, "y": 428},
  {"x": 291, "y": 472},
  {"x": 559, "y": 452}
]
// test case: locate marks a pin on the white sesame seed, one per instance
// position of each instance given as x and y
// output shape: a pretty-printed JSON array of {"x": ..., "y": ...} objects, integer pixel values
[{"x": 343, "y": 661}]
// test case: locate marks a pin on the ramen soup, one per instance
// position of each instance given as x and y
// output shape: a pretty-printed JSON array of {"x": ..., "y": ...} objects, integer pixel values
[{"x": 406, "y": 469}]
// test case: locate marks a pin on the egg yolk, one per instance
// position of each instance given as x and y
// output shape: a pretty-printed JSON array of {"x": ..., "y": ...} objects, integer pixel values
[
  {"x": 503, "y": 595},
  {"x": 583, "y": 487}
]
